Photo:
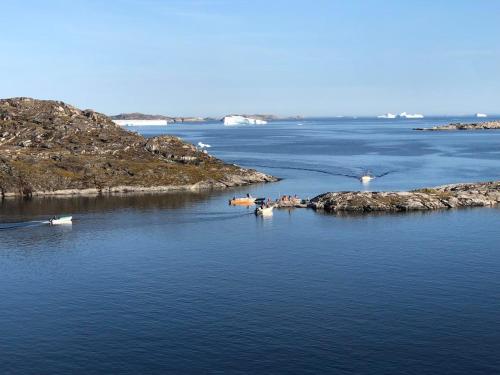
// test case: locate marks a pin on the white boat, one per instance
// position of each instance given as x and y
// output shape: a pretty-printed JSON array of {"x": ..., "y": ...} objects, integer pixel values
[
  {"x": 61, "y": 220},
  {"x": 410, "y": 115},
  {"x": 481, "y": 115},
  {"x": 366, "y": 178},
  {"x": 387, "y": 115},
  {"x": 264, "y": 211},
  {"x": 242, "y": 120}
]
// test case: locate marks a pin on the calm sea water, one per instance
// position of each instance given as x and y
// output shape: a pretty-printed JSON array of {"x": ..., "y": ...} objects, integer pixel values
[{"x": 183, "y": 283}]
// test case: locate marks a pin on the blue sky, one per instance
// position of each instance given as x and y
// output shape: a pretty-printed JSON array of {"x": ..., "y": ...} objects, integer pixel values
[{"x": 201, "y": 57}]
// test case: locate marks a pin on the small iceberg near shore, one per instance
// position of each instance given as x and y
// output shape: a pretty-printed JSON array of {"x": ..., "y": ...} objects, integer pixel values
[
  {"x": 242, "y": 120},
  {"x": 203, "y": 145}
]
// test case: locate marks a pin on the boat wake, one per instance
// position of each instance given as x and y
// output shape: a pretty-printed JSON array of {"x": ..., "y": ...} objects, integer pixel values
[
  {"x": 23, "y": 224},
  {"x": 315, "y": 170}
]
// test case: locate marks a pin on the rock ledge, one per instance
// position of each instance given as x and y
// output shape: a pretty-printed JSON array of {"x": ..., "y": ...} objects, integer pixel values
[{"x": 441, "y": 197}]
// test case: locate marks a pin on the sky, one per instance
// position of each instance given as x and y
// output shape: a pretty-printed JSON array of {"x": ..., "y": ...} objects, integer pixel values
[{"x": 286, "y": 57}]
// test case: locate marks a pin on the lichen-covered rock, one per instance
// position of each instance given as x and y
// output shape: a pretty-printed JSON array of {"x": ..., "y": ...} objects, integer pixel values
[
  {"x": 447, "y": 196},
  {"x": 486, "y": 125},
  {"x": 48, "y": 147}
]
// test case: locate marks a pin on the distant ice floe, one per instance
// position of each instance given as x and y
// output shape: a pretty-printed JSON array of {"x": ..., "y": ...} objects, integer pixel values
[
  {"x": 481, "y": 115},
  {"x": 242, "y": 120},
  {"x": 387, "y": 115}
]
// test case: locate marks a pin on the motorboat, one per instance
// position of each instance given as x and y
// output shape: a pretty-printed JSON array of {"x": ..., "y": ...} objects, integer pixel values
[
  {"x": 245, "y": 201},
  {"x": 61, "y": 220},
  {"x": 264, "y": 211},
  {"x": 366, "y": 178}
]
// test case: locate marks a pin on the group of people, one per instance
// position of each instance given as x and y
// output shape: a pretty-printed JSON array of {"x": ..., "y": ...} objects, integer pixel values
[{"x": 289, "y": 198}]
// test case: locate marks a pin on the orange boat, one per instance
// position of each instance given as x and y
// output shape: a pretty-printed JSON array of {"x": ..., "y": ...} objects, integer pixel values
[{"x": 246, "y": 201}]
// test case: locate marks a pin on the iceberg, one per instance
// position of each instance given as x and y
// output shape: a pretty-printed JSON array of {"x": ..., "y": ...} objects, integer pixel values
[
  {"x": 481, "y": 115},
  {"x": 242, "y": 120},
  {"x": 387, "y": 115},
  {"x": 410, "y": 115}
]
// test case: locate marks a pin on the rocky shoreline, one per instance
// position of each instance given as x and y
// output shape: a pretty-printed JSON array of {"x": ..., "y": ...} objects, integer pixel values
[
  {"x": 51, "y": 148},
  {"x": 487, "y": 125},
  {"x": 483, "y": 194}
]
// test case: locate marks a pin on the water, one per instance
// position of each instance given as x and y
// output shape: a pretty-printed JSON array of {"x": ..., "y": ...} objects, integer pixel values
[{"x": 183, "y": 283}]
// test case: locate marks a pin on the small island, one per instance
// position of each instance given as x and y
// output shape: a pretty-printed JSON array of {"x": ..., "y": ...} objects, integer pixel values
[
  {"x": 51, "y": 148},
  {"x": 123, "y": 117},
  {"x": 487, "y": 125},
  {"x": 482, "y": 194}
]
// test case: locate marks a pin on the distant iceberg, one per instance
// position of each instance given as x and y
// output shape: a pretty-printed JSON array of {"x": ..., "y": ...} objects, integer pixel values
[
  {"x": 481, "y": 115},
  {"x": 242, "y": 120},
  {"x": 387, "y": 115},
  {"x": 410, "y": 115}
]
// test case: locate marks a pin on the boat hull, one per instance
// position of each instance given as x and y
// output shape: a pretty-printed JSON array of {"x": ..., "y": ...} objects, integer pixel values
[
  {"x": 62, "y": 221},
  {"x": 267, "y": 211},
  {"x": 242, "y": 202}
]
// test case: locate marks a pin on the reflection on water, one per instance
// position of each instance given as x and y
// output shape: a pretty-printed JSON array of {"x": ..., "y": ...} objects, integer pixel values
[{"x": 49, "y": 206}]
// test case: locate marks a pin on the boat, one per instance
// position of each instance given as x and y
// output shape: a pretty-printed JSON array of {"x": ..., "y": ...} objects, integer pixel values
[
  {"x": 260, "y": 200},
  {"x": 264, "y": 211},
  {"x": 245, "y": 201},
  {"x": 61, "y": 220},
  {"x": 367, "y": 177},
  {"x": 481, "y": 115},
  {"x": 387, "y": 115}
]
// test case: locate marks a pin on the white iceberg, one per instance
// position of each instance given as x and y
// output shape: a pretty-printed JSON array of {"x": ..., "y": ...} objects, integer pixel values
[
  {"x": 242, "y": 120},
  {"x": 410, "y": 115},
  {"x": 481, "y": 115},
  {"x": 387, "y": 115}
]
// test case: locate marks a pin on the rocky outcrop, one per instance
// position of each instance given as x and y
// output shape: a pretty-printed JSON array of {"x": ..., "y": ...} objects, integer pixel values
[
  {"x": 441, "y": 197},
  {"x": 49, "y": 147},
  {"x": 472, "y": 126}
]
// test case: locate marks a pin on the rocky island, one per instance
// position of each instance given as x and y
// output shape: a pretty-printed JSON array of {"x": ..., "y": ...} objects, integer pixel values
[
  {"x": 487, "y": 125},
  {"x": 442, "y": 197},
  {"x": 49, "y": 148},
  {"x": 173, "y": 119}
]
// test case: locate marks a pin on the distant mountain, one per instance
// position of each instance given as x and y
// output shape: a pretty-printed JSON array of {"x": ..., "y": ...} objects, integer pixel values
[
  {"x": 138, "y": 116},
  {"x": 142, "y": 116},
  {"x": 268, "y": 117}
]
